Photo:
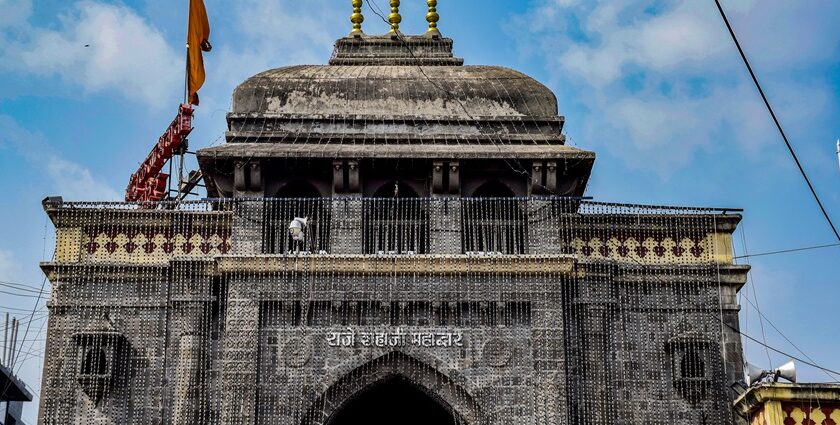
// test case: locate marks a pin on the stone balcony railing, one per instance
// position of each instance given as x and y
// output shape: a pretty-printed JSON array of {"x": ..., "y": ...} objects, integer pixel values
[{"x": 119, "y": 233}]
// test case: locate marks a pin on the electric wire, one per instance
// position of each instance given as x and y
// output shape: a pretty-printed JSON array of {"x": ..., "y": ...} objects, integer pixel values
[
  {"x": 18, "y": 286},
  {"x": 769, "y": 322},
  {"x": 787, "y": 251},
  {"x": 776, "y": 120},
  {"x": 774, "y": 349},
  {"x": 761, "y": 316},
  {"x": 29, "y": 323},
  {"x": 755, "y": 293}
]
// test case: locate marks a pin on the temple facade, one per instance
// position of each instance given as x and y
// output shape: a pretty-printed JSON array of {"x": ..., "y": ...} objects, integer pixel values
[{"x": 394, "y": 237}]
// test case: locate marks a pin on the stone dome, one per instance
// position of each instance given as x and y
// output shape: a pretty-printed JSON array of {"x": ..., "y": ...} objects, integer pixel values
[
  {"x": 396, "y": 91},
  {"x": 400, "y": 100}
]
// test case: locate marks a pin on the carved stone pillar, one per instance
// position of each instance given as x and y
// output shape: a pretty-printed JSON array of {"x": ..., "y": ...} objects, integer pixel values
[
  {"x": 549, "y": 350},
  {"x": 240, "y": 356},
  {"x": 347, "y": 230},
  {"x": 346, "y": 208},
  {"x": 190, "y": 396},
  {"x": 544, "y": 227}
]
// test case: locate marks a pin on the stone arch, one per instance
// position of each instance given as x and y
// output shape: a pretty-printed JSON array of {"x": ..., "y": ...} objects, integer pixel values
[
  {"x": 298, "y": 189},
  {"x": 395, "y": 189},
  {"x": 440, "y": 387},
  {"x": 493, "y": 189}
]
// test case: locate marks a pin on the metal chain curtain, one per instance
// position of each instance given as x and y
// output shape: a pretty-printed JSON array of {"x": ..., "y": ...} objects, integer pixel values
[{"x": 144, "y": 304}]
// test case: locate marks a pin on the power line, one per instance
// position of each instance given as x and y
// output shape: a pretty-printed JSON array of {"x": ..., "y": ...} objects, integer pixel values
[
  {"x": 18, "y": 286},
  {"x": 755, "y": 295},
  {"x": 12, "y": 309},
  {"x": 25, "y": 295},
  {"x": 776, "y": 120},
  {"x": 786, "y": 251},
  {"x": 774, "y": 349},
  {"x": 761, "y": 315},
  {"x": 26, "y": 333}
]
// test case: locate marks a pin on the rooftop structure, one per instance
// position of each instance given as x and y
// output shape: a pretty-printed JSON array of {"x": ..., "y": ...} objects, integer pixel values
[{"x": 790, "y": 404}]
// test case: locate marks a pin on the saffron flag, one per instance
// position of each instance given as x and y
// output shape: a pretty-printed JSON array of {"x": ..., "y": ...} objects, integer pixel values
[{"x": 198, "y": 36}]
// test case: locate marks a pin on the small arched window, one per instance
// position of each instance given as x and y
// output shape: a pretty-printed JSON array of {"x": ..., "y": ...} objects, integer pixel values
[
  {"x": 95, "y": 362},
  {"x": 692, "y": 365},
  {"x": 494, "y": 221}
]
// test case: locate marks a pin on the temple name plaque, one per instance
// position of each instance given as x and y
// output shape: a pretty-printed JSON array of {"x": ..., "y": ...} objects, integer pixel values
[{"x": 397, "y": 338}]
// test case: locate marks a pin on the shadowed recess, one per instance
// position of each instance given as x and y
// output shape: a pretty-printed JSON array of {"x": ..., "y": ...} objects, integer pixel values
[{"x": 393, "y": 401}]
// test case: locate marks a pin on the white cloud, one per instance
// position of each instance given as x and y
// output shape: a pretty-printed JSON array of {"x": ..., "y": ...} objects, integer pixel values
[
  {"x": 74, "y": 182},
  {"x": 279, "y": 32},
  {"x": 66, "y": 178},
  {"x": 125, "y": 55},
  {"x": 662, "y": 81},
  {"x": 686, "y": 33},
  {"x": 15, "y": 12},
  {"x": 267, "y": 34}
]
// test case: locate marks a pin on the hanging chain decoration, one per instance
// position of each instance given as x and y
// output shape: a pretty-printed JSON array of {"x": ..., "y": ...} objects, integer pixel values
[{"x": 230, "y": 311}]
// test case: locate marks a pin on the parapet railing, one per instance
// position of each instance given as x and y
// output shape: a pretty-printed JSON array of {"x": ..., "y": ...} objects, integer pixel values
[{"x": 396, "y": 226}]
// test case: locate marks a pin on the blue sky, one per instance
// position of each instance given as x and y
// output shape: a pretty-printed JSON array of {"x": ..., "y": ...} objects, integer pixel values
[{"x": 654, "y": 87}]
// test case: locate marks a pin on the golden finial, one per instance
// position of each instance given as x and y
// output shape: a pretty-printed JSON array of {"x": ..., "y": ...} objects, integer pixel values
[
  {"x": 357, "y": 18},
  {"x": 432, "y": 17},
  {"x": 394, "y": 18}
]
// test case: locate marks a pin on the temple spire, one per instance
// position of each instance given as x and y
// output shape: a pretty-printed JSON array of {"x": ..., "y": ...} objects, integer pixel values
[
  {"x": 395, "y": 18},
  {"x": 357, "y": 18},
  {"x": 432, "y": 17}
]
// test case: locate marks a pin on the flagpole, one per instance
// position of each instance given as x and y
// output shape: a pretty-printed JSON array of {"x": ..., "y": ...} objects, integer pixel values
[
  {"x": 187, "y": 57},
  {"x": 186, "y": 100}
]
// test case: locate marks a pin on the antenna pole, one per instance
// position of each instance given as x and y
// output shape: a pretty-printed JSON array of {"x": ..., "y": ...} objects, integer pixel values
[
  {"x": 838, "y": 152},
  {"x": 5, "y": 340},
  {"x": 11, "y": 357}
]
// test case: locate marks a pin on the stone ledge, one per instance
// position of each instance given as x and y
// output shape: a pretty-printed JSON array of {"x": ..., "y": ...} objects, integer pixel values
[{"x": 408, "y": 264}]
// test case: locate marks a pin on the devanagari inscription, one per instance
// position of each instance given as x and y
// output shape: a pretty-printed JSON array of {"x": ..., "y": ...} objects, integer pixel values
[{"x": 397, "y": 338}]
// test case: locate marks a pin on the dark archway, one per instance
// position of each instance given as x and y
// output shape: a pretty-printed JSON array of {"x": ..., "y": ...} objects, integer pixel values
[
  {"x": 95, "y": 363},
  {"x": 397, "y": 370},
  {"x": 394, "y": 401},
  {"x": 298, "y": 198},
  {"x": 493, "y": 189},
  {"x": 494, "y": 221},
  {"x": 396, "y": 221},
  {"x": 692, "y": 365}
]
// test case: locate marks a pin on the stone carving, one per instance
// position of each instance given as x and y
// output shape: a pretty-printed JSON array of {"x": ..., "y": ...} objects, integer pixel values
[
  {"x": 497, "y": 352},
  {"x": 296, "y": 352}
]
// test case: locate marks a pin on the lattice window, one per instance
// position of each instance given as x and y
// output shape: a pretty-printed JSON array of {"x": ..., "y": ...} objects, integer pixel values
[
  {"x": 396, "y": 221},
  {"x": 95, "y": 363},
  {"x": 494, "y": 222}
]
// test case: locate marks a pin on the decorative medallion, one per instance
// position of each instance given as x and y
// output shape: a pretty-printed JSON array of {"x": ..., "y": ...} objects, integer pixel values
[
  {"x": 497, "y": 352},
  {"x": 296, "y": 351}
]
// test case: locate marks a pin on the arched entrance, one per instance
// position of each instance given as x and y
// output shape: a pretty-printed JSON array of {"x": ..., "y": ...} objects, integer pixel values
[
  {"x": 394, "y": 401},
  {"x": 394, "y": 389}
]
